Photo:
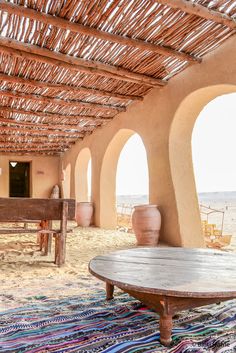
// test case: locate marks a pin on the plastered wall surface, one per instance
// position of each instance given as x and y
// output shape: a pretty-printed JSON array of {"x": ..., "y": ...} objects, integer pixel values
[
  {"x": 159, "y": 120},
  {"x": 44, "y": 174}
]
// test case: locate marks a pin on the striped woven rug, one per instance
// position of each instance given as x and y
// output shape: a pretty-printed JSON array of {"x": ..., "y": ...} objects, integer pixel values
[{"x": 90, "y": 324}]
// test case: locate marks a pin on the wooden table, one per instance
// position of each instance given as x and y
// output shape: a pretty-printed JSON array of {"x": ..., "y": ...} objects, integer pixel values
[{"x": 169, "y": 279}]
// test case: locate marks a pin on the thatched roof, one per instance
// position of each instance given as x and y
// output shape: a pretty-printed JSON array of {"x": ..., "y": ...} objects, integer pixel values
[{"x": 69, "y": 66}]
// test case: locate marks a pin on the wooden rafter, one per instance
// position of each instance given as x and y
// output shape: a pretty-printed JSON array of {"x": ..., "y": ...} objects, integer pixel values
[
  {"x": 58, "y": 101},
  {"x": 68, "y": 88},
  {"x": 39, "y": 132},
  {"x": 89, "y": 31},
  {"x": 39, "y": 54},
  {"x": 32, "y": 153},
  {"x": 8, "y": 136},
  {"x": 201, "y": 11},
  {"x": 42, "y": 125},
  {"x": 53, "y": 116},
  {"x": 6, "y": 143},
  {"x": 35, "y": 148},
  {"x": 34, "y": 141}
]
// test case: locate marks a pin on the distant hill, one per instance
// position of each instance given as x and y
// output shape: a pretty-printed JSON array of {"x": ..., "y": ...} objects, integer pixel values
[
  {"x": 132, "y": 199},
  {"x": 218, "y": 195},
  {"x": 226, "y": 196}
]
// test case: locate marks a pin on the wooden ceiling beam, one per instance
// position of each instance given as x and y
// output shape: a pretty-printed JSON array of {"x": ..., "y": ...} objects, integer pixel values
[
  {"x": 40, "y": 54},
  {"x": 31, "y": 153},
  {"x": 200, "y": 11},
  {"x": 68, "y": 88},
  {"x": 32, "y": 150},
  {"x": 8, "y": 136},
  {"x": 34, "y": 144},
  {"x": 93, "y": 32},
  {"x": 62, "y": 102},
  {"x": 29, "y": 148},
  {"x": 53, "y": 115},
  {"x": 41, "y": 125},
  {"x": 41, "y": 132}
]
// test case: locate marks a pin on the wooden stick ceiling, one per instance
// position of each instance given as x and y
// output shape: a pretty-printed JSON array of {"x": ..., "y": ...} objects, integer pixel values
[
  {"x": 54, "y": 117},
  {"x": 69, "y": 67},
  {"x": 201, "y": 11},
  {"x": 68, "y": 88},
  {"x": 69, "y": 62},
  {"x": 57, "y": 101},
  {"x": 78, "y": 28},
  {"x": 43, "y": 125}
]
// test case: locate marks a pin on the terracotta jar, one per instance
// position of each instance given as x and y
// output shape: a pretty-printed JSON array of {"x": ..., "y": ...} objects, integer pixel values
[
  {"x": 55, "y": 194},
  {"x": 146, "y": 223},
  {"x": 84, "y": 213}
]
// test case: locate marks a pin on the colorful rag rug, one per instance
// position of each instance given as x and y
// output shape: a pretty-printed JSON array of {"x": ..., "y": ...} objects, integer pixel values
[{"x": 88, "y": 323}]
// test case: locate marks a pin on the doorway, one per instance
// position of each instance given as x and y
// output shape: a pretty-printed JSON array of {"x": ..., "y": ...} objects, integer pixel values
[{"x": 19, "y": 179}]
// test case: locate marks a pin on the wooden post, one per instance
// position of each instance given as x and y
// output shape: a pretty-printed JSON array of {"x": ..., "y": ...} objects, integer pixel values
[
  {"x": 60, "y": 249},
  {"x": 50, "y": 237},
  {"x": 40, "y": 236},
  {"x": 44, "y": 237},
  {"x": 57, "y": 238}
]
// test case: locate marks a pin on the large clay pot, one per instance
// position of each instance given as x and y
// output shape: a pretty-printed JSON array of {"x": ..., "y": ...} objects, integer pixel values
[
  {"x": 146, "y": 223},
  {"x": 84, "y": 213}
]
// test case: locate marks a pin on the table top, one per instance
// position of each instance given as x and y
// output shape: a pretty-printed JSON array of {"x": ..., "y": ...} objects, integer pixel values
[{"x": 179, "y": 272}]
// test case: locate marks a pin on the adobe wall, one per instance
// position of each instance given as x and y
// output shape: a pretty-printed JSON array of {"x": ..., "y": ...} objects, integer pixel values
[
  {"x": 158, "y": 122},
  {"x": 44, "y": 174}
]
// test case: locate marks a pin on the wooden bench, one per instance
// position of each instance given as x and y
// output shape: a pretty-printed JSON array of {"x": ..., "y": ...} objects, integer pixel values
[{"x": 47, "y": 210}]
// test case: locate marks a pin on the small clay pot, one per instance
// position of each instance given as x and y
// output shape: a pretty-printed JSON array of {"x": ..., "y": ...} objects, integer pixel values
[
  {"x": 84, "y": 213},
  {"x": 55, "y": 194},
  {"x": 146, "y": 223}
]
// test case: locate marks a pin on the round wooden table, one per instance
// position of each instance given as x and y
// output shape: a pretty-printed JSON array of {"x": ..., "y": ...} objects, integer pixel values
[{"x": 169, "y": 279}]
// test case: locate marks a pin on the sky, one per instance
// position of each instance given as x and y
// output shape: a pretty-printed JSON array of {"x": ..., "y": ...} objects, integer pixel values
[
  {"x": 214, "y": 146},
  {"x": 132, "y": 169}
]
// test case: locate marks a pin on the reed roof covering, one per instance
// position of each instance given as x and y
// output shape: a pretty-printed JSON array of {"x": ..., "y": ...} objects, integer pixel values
[{"x": 69, "y": 66}]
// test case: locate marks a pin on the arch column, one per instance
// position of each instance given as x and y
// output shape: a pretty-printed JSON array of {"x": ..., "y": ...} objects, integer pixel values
[
  {"x": 161, "y": 190},
  {"x": 66, "y": 182},
  {"x": 181, "y": 162},
  {"x": 81, "y": 175},
  {"x": 107, "y": 216},
  {"x": 72, "y": 179}
]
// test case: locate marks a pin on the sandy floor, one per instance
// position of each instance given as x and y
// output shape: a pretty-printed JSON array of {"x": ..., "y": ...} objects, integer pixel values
[{"x": 25, "y": 272}]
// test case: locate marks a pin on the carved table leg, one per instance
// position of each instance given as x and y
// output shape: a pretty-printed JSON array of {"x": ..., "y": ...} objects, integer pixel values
[
  {"x": 109, "y": 291},
  {"x": 165, "y": 329}
]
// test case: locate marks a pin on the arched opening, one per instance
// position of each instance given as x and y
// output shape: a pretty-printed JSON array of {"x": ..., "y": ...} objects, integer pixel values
[
  {"x": 214, "y": 145},
  {"x": 213, "y": 149},
  {"x": 66, "y": 181},
  {"x": 132, "y": 180},
  {"x": 180, "y": 153},
  {"x": 108, "y": 178},
  {"x": 83, "y": 174}
]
